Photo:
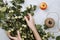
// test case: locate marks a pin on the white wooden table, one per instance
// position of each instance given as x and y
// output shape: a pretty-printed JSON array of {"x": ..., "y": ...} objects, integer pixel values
[{"x": 40, "y": 15}]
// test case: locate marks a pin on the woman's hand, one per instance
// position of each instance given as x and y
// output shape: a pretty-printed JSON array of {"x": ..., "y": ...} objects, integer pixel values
[
  {"x": 30, "y": 22},
  {"x": 15, "y": 38}
]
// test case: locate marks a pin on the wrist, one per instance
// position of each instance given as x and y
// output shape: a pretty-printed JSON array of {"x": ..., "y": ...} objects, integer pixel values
[{"x": 34, "y": 29}]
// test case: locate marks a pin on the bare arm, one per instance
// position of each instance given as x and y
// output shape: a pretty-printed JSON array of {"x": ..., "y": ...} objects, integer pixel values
[
  {"x": 36, "y": 34},
  {"x": 31, "y": 25}
]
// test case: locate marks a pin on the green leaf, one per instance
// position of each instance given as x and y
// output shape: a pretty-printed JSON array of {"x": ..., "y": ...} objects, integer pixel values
[
  {"x": 3, "y": 9},
  {"x": 58, "y": 38},
  {"x": 38, "y": 27},
  {"x": 1, "y": 0},
  {"x": 1, "y": 4},
  {"x": 2, "y": 16},
  {"x": 45, "y": 27},
  {"x": 19, "y": 1}
]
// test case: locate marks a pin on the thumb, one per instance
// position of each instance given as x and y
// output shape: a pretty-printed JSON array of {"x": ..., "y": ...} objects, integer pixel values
[
  {"x": 10, "y": 36},
  {"x": 18, "y": 34}
]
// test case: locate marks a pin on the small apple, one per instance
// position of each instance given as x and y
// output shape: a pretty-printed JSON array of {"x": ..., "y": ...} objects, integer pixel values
[{"x": 43, "y": 5}]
